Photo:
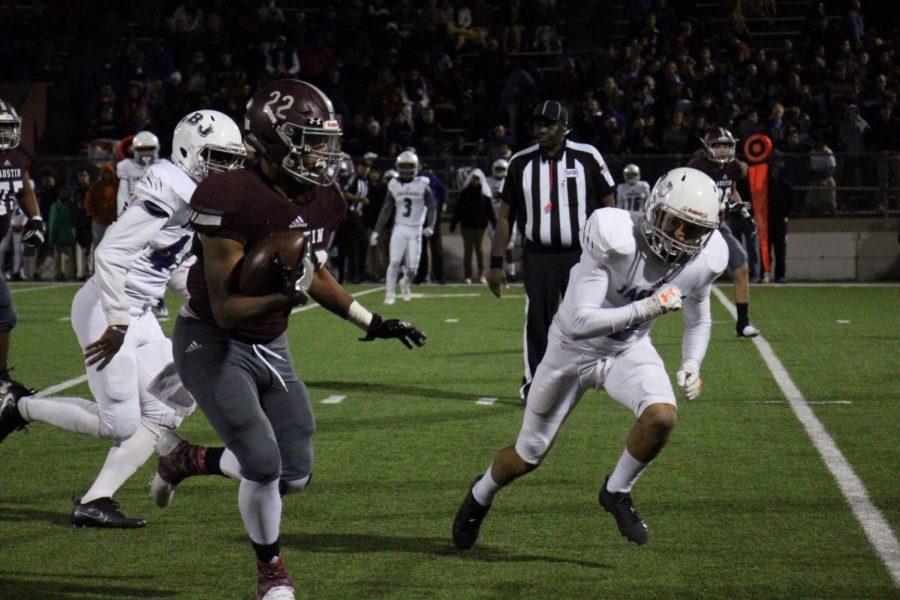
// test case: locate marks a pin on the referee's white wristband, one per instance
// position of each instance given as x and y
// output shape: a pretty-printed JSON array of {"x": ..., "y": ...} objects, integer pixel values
[{"x": 359, "y": 316}]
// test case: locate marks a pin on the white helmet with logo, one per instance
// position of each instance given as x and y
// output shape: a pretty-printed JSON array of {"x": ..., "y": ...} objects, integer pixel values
[
  {"x": 499, "y": 168},
  {"x": 685, "y": 198},
  {"x": 205, "y": 141}
]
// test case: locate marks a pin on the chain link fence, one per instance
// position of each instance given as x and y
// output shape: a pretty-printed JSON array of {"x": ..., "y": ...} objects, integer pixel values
[{"x": 857, "y": 185}]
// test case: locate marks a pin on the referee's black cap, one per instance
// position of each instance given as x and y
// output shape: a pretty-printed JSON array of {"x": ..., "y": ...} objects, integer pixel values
[{"x": 553, "y": 110}]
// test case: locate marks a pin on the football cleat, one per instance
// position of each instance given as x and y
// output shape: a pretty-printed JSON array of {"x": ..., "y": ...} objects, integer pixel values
[
  {"x": 467, "y": 524},
  {"x": 102, "y": 512},
  {"x": 11, "y": 419},
  {"x": 621, "y": 505},
  {"x": 178, "y": 459},
  {"x": 274, "y": 581},
  {"x": 405, "y": 292},
  {"x": 747, "y": 331},
  {"x": 390, "y": 299}
]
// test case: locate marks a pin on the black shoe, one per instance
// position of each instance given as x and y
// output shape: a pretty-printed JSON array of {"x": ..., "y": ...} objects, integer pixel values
[
  {"x": 467, "y": 523},
  {"x": 10, "y": 417},
  {"x": 102, "y": 512},
  {"x": 630, "y": 523}
]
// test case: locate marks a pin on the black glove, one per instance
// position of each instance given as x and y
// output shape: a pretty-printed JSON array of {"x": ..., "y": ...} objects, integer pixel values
[
  {"x": 33, "y": 232},
  {"x": 394, "y": 328},
  {"x": 294, "y": 282}
]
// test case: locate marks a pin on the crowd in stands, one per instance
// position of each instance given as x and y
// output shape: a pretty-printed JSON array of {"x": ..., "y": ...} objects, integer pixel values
[{"x": 457, "y": 79}]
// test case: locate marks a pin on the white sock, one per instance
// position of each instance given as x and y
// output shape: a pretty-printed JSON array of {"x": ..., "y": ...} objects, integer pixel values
[
  {"x": 260, "y": 505},
  {"x": 626, "y": 473},
  {"x": 72, "y": 414},
  {"x": 390, "y": 280},
  {"x": 486, "y": 488},
  {"x": 122, "y": 461},
  {"x": 230, "y": 465}
]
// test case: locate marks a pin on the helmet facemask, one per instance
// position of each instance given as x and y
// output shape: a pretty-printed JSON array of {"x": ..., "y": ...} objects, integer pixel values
[
  {"x": 314, "y": 154},
  {"x": 671, "y": 211},
  {"x": 10, "y": 132},
  {"x": 145, "y": 155},
  {"x": 216, "y": 159}
]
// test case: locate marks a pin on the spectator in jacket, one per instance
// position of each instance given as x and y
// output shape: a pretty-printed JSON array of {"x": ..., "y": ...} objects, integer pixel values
[
  {"x": 100, "y": 202},
  {"x": 474, "y": 211}
]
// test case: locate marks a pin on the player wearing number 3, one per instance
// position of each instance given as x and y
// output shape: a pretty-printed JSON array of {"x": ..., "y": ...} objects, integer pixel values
[
  {"x": 630, "y": 273},
  {"x": 409, "y": 198}
]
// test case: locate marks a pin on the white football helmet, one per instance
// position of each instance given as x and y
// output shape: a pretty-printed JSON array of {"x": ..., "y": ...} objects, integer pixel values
[
  {"x": 631, "y": 173},
  {"x": 407, "y": 165},
  {"x": 685, "y": 199},
  {"x": 389, "y": 174},
  {"x": 145, "y": 147},
  {"x": 499, "y": 168},
  {"x": 207, "y": 140},
  {"x": 10, "y": 126}
]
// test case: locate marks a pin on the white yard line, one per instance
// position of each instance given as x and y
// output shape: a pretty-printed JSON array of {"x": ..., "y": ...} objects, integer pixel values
[
  {"x": 61, "y": 386},
  {"x": 21, "y": 290},
  {"x": 875, "y": 526}
]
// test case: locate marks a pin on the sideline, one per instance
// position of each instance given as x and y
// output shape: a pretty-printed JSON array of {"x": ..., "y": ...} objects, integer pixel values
[{"x": 875, "y": 526}]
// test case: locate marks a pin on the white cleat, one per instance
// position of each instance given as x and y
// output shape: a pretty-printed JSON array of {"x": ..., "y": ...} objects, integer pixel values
[
  {"x": 390, "y": 299},
  {"x": 748, "y": 331},
  {"x": 161, "y": 491}
]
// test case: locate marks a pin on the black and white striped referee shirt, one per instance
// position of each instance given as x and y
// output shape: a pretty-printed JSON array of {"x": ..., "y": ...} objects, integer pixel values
[{"x": 551, "y": 198}]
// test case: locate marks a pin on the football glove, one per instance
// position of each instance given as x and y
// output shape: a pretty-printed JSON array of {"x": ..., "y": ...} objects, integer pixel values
[
  {"x": 296, "y": 279},
  {"x": 373, "y": 239},
  {"x": 665, "y": 300},
  {"x": 689, "y": 381},
  {"x": 33, "y": 233},
  {"x": 428, "y": 232},
  {"x": 394, "y": 328}
]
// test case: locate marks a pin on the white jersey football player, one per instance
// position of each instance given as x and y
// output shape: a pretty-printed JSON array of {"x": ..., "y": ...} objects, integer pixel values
[
  {"x": 145, "y": 149},
  {"x": 632, "y": 193},
  {"x": 409, "y": 199},
  {"x": 128, "y": 357},
  {"x": 630, "y": 273}
]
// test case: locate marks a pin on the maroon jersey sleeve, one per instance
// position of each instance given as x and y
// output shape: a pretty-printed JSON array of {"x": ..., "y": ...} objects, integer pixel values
[{"x": 216, "y": 206}]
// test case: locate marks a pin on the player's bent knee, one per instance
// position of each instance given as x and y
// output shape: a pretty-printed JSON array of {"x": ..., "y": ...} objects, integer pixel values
[
  {"x": 289, "y": 486},
  {"x": 8, "y": 318},
  {"x": 531, "y": 449},
  {"x": 660, "y": 419}
]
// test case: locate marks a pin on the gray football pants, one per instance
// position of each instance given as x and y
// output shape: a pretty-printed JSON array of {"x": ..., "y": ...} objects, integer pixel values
[{"x": 251, "y": 396}]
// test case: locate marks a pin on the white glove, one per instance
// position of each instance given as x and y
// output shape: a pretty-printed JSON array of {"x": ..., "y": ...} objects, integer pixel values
[
  {"x": 689, "y": 381},
  {"x": 428, "y": 232},
  {"x": 666, "y": 300},
  {"x": 373, "y": 239}
]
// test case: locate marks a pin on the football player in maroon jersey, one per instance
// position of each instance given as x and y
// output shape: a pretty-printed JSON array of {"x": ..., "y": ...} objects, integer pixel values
[
  {"x": 15, "y": 186},
  {"x": 719, "y": 162},
  {"x": 230, "y": 349}
]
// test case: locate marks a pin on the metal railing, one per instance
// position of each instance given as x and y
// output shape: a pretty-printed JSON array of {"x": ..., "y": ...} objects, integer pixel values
[{"x": 861, "y": 185}]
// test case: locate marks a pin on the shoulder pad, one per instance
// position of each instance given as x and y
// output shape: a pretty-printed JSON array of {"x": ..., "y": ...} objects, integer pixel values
[{"x": 608, "y": 232}]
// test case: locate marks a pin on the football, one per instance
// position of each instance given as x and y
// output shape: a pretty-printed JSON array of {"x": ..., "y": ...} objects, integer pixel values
[{"x": 259, "y": 274}]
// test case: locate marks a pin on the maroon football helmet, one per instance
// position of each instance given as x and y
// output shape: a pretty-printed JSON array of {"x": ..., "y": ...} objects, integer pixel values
[
  {"x": 10, "y": 126},
  {"x": 292, "y": 124},
  {"x": 720, "y": 145}
]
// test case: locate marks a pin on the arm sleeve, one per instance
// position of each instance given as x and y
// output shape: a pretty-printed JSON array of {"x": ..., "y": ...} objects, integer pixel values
[
  {"x": 587, "y": 319},
  {"x": 386, "y": 210},
  {"x": 121, "y": 245},
  {"x": 697, "y": 329},
  {"x": 121, "y": 196}
]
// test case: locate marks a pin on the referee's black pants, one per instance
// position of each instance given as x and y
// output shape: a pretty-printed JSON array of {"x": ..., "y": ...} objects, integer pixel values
[{"x": 546, "y": 275}]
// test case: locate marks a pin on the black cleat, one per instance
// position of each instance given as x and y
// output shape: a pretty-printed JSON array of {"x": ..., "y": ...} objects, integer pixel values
[
  {"x": 102, "y": 512},
  {"x": 630, "y": 523},
  {"x": 467, "y": 524},
  {"x": 10, "y": 417}
]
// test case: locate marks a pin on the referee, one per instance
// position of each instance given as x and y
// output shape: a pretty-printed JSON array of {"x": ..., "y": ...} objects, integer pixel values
[{"x": 550, "y": 190}]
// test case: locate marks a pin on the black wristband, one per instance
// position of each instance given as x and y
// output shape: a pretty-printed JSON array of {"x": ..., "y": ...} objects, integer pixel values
[{"x": 496, "y": 262}]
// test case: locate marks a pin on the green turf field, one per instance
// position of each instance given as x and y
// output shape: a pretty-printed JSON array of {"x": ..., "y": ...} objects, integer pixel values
[{"x": 740, "y": 504}]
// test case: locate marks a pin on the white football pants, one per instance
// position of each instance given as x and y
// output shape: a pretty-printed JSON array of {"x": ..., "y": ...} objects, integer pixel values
[{"x": 406, "y": 242}]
